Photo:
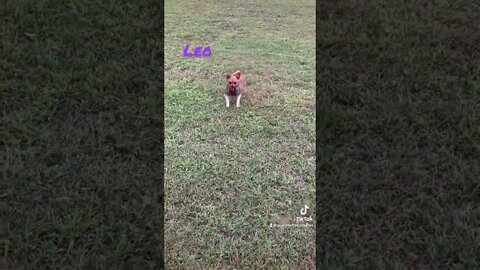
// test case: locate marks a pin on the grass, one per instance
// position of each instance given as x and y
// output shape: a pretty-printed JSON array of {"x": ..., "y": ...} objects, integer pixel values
[
  {"x": 398, "y": 101},
  {"x": 81, "y": 135},
  {"x": 398, "y": 135},
  {"x": 229, "y": 173}
]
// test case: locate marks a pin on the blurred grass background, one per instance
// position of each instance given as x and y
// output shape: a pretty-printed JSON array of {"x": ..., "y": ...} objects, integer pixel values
[
  {"x": 398, "y": 135},
  {"x": 81, "y": 135}
]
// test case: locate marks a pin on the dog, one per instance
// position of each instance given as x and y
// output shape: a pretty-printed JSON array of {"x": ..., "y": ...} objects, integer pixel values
[{"x": 236, "y": 85}]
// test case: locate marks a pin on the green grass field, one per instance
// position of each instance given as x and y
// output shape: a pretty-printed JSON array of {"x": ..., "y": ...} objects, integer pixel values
[
  {"x": 229, "y": 173},
  {"x": 398, "y": 135},
  {"x": 81, "y": 129}
]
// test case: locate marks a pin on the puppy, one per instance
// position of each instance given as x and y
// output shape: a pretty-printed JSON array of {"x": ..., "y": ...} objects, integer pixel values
[{"x": 235, "y": 86}]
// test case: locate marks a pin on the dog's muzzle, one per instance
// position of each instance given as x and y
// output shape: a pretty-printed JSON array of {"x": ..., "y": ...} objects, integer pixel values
[{"x": 233, "y": 90}]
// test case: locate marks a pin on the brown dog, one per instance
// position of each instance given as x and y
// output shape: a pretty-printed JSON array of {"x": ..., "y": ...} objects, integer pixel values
[{"x": 236, "y": 84}]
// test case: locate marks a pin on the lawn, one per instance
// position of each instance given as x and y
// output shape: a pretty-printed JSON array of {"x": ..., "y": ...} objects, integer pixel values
[
  {"x": 81, "y": 135},
  {"x": 230, "y": 173},
  {"x": 398, "y": 135},
  {"x": 397, "y": 127}
]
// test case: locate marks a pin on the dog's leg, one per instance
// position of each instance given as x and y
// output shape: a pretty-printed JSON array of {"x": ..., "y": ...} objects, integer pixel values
[
  {"x": 227, "y": 100},
  {"x": 238, "y": 100}
]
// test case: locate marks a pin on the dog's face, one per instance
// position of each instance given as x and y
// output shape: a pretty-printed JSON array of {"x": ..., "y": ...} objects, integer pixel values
[{"x": 233, "y": 80}]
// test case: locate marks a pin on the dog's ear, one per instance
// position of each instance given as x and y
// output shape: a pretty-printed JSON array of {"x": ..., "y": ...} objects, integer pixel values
[
  {"x": 228, "y": 76},
  {"x": 237, "y": 74}
]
